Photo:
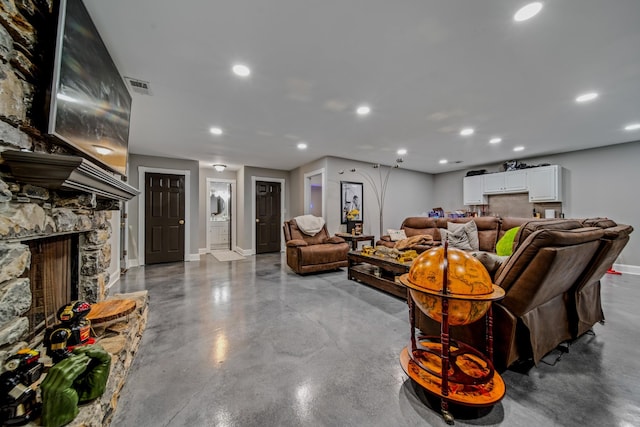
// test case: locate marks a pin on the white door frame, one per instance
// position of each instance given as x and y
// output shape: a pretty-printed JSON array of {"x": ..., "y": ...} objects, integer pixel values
[
  {"x": 255, "y": 179},
  {"x": 232, "y": 221},
  {"x": 142, "y": 170},
  {"x": 307, "y": 190}
]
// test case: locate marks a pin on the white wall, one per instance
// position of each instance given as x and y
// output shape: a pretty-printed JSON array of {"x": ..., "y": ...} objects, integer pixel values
[
  {"x": 600, "y": 182},
  {"x": 408, "y": 194}
]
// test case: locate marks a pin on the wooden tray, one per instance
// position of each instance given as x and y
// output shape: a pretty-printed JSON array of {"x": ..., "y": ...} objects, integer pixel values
[
  {"x": 486, "y": 394},
  {"x": 110, "y": 310}
]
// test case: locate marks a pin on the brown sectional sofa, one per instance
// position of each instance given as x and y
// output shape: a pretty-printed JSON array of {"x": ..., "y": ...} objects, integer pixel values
[
  {"x": 551, "y": 282},
  {"x": 488, "y": 229}
]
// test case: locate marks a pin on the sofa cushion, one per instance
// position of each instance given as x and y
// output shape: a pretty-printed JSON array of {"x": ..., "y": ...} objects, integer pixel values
[
  {"x": 504, "y": 247},
  {"x": 489, "y": 260}
]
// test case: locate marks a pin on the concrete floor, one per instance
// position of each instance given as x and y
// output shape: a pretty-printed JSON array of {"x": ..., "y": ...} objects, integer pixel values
[{"x": 250, "y": 343}]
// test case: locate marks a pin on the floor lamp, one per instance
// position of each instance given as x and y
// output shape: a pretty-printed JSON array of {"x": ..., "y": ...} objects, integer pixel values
[{"x": 379, "y": 186}]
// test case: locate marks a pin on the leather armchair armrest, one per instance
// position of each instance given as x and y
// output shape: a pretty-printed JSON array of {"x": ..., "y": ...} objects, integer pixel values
[
  {"x": 294, "y": 243},
  {"x": 335, "y": 239}
]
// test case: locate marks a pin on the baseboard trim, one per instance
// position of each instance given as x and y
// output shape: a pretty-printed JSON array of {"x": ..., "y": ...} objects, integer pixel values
[
  {"x": 203, "y": 251},
  {"x": 244, "y": 252},
  {"x": 627, "y": 269},
  {"x": 113, "y": 278},
  {"x": 193, "y": 257}
]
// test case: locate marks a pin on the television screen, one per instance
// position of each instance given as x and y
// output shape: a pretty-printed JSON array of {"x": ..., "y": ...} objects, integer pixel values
[{"x": 90, "y": 103}]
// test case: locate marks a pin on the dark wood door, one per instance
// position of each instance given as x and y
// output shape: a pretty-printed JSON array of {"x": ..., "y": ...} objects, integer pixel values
[
  {"x": 164, "y": 218},
  {"x": 268, "y": 217}
]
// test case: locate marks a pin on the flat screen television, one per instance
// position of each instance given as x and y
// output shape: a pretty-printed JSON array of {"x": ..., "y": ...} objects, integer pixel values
[{"x": 90, "y": 104}]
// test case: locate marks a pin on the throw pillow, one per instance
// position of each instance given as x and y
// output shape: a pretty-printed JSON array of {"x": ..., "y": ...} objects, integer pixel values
[
  {"x": 490, "y": 261},
  {"x": 396, "y": 235},
  {"x": 457, "y": 238},
  {"x": 504, "y": 247},
  {"x": 472, "y": 232}
]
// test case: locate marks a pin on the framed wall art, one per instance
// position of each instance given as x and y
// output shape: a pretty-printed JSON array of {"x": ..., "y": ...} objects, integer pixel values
[{"x": 350, "y": 201}]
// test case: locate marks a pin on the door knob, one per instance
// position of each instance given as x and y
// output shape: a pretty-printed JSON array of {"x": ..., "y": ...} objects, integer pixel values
[
  {"x": 257, "y": 219},
  {"x": 181, "y": 222}
]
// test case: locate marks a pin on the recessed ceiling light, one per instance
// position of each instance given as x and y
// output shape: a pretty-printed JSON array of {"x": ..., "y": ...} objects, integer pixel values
[
  {"x": 586, "y": 97},
  {"x": 302, "y": 146},
  {"x": 402, "y": 152},
  {"x": 443, "y": 161},
  {"x": 467, "y": 131},
  {"x": 215, "y": 131},
  {"x": 518, "y": 148},
  {"x": 363, "y": 110},
  {"x": 241, "y": 70},
  {"x": 633, "y": 126},
  {"x": 528, "y": 11},
  {"x": 495, "y": 140}
]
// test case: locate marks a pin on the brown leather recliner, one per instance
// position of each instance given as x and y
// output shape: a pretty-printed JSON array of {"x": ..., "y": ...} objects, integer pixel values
[
  {"x": 320, "y": 252},
  {"x": 532, "y": 319},
  {"x": 585, "y": 303}
]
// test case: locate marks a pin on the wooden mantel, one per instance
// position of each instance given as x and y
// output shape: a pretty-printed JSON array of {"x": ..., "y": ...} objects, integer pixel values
[{"x": 56, "y": 171}]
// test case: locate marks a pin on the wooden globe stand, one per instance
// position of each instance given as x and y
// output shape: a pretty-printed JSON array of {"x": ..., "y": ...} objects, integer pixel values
[{"x": 455, "y": 372}]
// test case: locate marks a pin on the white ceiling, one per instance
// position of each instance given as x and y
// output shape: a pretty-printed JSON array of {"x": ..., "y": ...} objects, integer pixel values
[{"x": 427, "y": 68}]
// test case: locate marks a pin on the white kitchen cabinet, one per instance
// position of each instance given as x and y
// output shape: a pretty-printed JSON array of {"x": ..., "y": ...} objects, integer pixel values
[
  {"x": 515, "y": 181},
  {"x": 505, "y": 182},
  {"x": 545, "y": 184},
  {"x": 473, "y": 190}
]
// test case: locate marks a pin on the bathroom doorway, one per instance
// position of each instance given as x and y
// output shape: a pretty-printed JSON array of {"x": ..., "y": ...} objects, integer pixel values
[{"x": 220, "y": 214}]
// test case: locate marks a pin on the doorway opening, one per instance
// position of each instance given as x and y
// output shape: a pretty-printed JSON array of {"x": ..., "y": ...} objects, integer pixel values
[
  {"x": 314, "y": 194},
  {"x": 220, "y": 214}
]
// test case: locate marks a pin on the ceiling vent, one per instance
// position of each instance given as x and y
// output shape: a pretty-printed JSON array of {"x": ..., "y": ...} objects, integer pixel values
[{"x": 139, "y": 86}]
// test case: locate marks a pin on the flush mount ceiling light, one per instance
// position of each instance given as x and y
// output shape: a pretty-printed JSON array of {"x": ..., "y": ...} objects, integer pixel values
[
  {"x": 302, "y": 146},
  {"x": 215, "y": 131},
  {"x": 467, "y": 131},
  {"x": 586, "y": 97},
  {"x": 495, "y": 140},
  {"x": 527, "y": 11},
  {"x": 402, "y": 152},
  {"x": 443, "y": 161},
  {"x": 241, "y": 70},
  {"x": 363, "y": 110},
  {"x": 518, "y": 148},
  {"x": 103, "y": 150},
  {"x": 632, "y": 126},
  {"x": 218, "y": 167}
]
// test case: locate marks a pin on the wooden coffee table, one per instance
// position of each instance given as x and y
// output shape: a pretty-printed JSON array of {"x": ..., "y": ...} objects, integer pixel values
[{"x": 363, "y": 268}]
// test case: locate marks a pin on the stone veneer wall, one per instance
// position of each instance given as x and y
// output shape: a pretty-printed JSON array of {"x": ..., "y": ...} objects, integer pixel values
[{"x": 27, "y": 211}]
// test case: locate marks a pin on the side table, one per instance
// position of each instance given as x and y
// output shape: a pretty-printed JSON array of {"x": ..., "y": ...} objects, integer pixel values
[{"x": 355, "y": 238}]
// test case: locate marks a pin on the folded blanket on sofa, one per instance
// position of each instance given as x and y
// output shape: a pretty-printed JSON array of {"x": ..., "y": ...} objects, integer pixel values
[
  {"x": 309, "y": 224},
  {"x": 413, "y": 241}
]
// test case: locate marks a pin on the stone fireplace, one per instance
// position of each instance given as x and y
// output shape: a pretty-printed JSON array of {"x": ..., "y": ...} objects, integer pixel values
[{"x": 55, "y": 209}]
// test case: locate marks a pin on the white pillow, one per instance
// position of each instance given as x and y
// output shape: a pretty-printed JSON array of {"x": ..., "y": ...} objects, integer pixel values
[
  {"x": 396, "y": 235},
  {"x": 472, "y": 232}
]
